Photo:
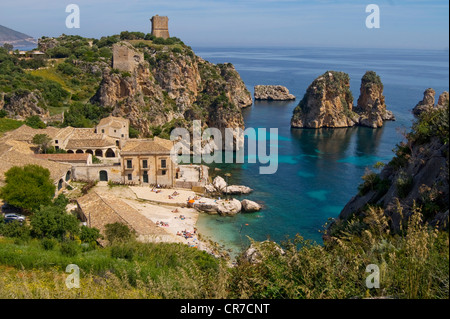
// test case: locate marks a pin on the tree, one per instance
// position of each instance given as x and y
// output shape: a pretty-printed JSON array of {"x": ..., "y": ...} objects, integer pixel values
[
  {"x": 8, "y": 46},
  {"x": 53, "y": 222},
  {"x": 35, "y": 122},
  {"x": 43, "y": 141},
  {"x": 28, "y": 187},
  {"x": 118, "y": 233}
]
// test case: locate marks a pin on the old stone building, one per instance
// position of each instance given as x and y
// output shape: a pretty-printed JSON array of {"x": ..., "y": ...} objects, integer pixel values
[
  {"x": 160, "y": 26},
  {"x": 125, "y": 57},
  {"x": 147, "y": 162}
]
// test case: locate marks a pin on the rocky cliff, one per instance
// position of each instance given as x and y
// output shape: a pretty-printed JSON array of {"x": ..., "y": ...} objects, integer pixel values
[
  {"x": 272, "y": 92},
  {"x": 328, "y": 102},
  {"x": 23, "y": 104},
  {"x": 157, "y": 85},
  {"x": 416, "y": 178}
]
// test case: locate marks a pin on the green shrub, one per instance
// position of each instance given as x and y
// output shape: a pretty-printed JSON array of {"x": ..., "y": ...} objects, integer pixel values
[
  {"x": 122, "y": 251},
  {"x": 35, "y": 122},
  {"x": 69, "y": 248},
  {"x": 53, "y": 222},
  {"x": 48, "y": 243},
  {"x": 28, "y": 187},
  {"x": 89, "y": 235},
  {"x": 15, "y": 229},
  {"x": 118, "y": 233}
]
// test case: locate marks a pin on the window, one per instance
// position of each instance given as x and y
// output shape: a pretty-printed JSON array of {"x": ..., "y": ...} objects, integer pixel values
[
  {"x": 129, "y": 164},
  {"x": 163, "y": 163},
  {"x": 163, "y": 172},
  {"x": 103, "y": 131},
  {"x": 122, "y": 135},
  {"x": 144, "y": 164},
  {"x": 114, "y": 131},
  {"x": 56, "y": 141},
  {"x": 130, "y": 177}
]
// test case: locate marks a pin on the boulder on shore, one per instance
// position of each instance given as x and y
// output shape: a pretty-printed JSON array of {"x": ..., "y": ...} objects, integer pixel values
[
  {"x": 250, "y": 206},
  {"x": 220, "y": 185},
  {"x": 221, "y": 207},
  {"x": 272, "y": 92}
]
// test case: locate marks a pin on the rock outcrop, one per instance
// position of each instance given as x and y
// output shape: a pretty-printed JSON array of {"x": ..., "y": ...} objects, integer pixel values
[
  {"x": 255, "y": 253},
  {"x": 221, "y": 207},
  {"x": 220, "y": 186},
  {"x": 443, "y": 99},
  {"x": 328, "y": 102},
  {"x": 155, "y": 85},
  {"x": 24, "y": 104},
  {"x": 272, "y": 92},
  {"x": 417, "y": 175},
  {"x": 371, "y": 104},
  {"x": 428, "y": 101},
  {"x": 250, "y": 206}
]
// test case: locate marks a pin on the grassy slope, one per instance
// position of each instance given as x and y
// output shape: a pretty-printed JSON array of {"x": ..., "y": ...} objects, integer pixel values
[{"x": 9, "y": 125}]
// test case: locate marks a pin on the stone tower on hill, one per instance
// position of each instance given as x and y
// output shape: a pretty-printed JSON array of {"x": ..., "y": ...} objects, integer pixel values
[{"x": 160, "y": 26}]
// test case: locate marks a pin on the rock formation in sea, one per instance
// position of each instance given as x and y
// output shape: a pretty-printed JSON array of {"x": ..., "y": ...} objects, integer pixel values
[
  {"x": 221, "y": 207},
  {"x": 371, "y": 104},
  {"x": 272, "y": 92},
  {"x": 250, "y": 206},
  {"x": 220, "y": 186},
  {"x": 443, "y": 99},
  {"x": 328, "y": 102},
  {"x": 153, "y": 86},
  {"x": 428, "y": 101}
]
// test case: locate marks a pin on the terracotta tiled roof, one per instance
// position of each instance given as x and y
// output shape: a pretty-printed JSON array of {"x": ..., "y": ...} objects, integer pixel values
[
  {"x": 147, "y": 146},
  {"x": 90, "y": 143},
  {"x": 64, "y": 157},
  {"x": 115, "y": 122},
  {"x": 26, "y": 133},
  {"x": 13, "y": 158},
  {"x": 85, "y": 134}
]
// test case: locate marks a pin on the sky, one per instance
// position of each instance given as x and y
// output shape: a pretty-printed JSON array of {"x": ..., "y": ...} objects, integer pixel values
[{"x": 408, "y": 24}]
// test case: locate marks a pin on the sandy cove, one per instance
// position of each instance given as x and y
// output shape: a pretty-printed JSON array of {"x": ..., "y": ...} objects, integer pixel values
[{"x": 162, "y": 207}]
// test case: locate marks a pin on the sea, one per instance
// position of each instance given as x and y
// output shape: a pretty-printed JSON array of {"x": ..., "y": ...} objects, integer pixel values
[{"x": 319, "y": 170}]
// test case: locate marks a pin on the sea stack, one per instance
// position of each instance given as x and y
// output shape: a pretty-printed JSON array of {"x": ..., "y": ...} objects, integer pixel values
[
  {"x": 328, "y": 102},
  {"x": 272, "y": 92},
  {"x": 371, "y": 104}
]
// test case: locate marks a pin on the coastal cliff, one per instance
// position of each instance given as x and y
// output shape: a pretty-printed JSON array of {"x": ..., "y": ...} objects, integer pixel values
[
  {"x": 154, "y": 85},
  {"x": 417, "y": 177},
  {"x": 158, "y": 84},
  {"x": 328, "y": 102}
]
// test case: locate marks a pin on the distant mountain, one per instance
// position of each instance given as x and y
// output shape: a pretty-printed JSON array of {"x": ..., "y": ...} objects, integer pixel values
[{"x": 17, "y": 39}]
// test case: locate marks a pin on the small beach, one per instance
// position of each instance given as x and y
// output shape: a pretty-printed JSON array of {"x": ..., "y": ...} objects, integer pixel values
[{"x": 164, "y": 207}]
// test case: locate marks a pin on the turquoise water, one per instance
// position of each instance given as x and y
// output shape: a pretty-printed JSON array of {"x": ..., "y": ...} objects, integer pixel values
[{"x": 318, "y": 170}]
